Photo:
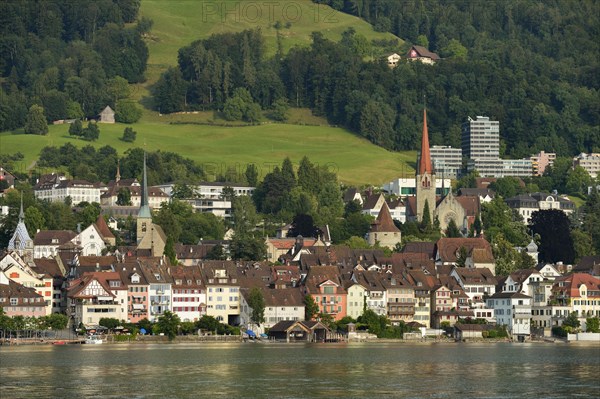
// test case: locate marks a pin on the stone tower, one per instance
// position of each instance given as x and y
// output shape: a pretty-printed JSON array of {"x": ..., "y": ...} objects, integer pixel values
[{"x": 425, "y": 179}]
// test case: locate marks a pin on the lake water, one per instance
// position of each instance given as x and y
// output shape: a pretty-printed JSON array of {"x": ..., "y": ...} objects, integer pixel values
[{"x": 250, "y": 370}]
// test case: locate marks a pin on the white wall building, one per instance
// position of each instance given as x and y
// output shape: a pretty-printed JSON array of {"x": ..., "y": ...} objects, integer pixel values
[{"x": 513, "y": 310}]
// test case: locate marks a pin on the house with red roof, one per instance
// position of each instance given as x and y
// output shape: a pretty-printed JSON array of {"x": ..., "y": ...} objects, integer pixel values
[
  {"x": 325, "y": 285},
  {"x": 97, "y": 295},
  {"x": 580, "y": 292}
]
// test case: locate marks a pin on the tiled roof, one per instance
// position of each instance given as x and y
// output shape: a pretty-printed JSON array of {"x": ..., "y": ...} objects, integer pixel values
[
  {"x": 47, "y": 266},
  {"x": 103, "y": 227},
  {"x": 423, "y": 52},
  {"x": 16, "y": 290},
  {"x": 45, "y": 237},
  {"x": 384, "y": 222},
  {"x": 478, "y": 248}
]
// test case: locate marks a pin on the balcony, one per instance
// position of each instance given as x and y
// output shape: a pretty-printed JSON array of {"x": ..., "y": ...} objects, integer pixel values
[{"x": 401, "y": 310}]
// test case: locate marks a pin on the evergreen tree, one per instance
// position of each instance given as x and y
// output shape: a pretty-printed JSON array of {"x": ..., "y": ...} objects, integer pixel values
[
  {"x": 452, "y": 230},
  {"x": 36, "y": 121},
  {"x": 76, "y": 128}
]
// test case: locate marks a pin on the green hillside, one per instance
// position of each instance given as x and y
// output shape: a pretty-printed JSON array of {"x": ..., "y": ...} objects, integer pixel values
[
  {"x": 180, "y": 22},
  {"x": 354, "y": 159}
]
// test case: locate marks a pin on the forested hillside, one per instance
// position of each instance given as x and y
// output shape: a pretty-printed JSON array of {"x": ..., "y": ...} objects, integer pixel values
[
  {"x": 532, "y": 65},
  {"x": 70, "y": 58}
]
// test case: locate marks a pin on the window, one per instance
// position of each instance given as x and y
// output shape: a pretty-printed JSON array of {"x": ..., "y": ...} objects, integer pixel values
[
  {"x": 328, "y": 290},
  {"x": 13, "y": 301}
]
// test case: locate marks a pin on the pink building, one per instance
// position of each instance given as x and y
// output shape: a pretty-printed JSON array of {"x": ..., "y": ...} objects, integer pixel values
[{"x": 541, "y": 161}]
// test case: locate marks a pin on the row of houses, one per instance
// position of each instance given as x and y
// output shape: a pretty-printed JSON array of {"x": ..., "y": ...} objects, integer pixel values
[{"x": 408, "y": 287}]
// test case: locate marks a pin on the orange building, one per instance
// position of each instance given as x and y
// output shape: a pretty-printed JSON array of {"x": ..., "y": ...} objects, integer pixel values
[{"x": 324, "y": 284}]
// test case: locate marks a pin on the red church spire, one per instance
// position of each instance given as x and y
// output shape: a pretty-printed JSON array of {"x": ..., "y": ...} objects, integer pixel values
[{"x": 425, "y": 161}]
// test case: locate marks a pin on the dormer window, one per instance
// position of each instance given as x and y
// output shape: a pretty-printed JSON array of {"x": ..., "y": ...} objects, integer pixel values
[
  {"x": 55, "y": 241},
  {"x": 114, "y": 283},
  {"x": 157, "y": 276},
  {"x": 135, "y": 279},
  {"x": 189, "y": 282},
  {"x": 178, "y": 282}
]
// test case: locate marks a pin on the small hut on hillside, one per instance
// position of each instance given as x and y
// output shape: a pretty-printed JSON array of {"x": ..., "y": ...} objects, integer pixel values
[{"x": 107, "y": 115}]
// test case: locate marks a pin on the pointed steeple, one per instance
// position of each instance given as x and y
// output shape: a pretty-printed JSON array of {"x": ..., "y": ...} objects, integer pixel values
[
  {"x": 144, "y": 207},
  {"x": 425, "y": 160},
  {"x": 21, "y": 213},
  {"x": 118, "y": 176}
]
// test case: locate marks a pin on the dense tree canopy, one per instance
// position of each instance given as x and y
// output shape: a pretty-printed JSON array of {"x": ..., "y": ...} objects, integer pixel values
[{"x": 64, "y": 56}]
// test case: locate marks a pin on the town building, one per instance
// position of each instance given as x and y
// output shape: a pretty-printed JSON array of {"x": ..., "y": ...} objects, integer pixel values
[
  {"x": 407, "y": 186},
  {"x": 160, "y": 288},
  {"x": 481, "y": 147},
  {"x": 589, "y": 162},
  {"x": 56, "y": 188},
  {"x": 189, "y": 292},
  {"x": 447, "y": 161},
  {"x": 383, "y": 231},
  {"x": 18, "y": 300},
  {"x": 541, "y": 161},
  {"x": 22, "y": 273},
  {"x": 222, "y": 292},
  {"x": 280, "y": 305},
  {"x": 212, "y": 197},
  {"x": 513, "y": 310},
  {"x": 324, "y": 284},
  {"x": 581, "y": 293},
  {"x": 527, "y": 204},
  {"x": 138, "y": 300},
  {"x": 97, "y": 295}
]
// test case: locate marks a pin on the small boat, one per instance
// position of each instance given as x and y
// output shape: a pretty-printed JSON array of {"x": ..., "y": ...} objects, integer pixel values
[{"x": 93, "y": 339}]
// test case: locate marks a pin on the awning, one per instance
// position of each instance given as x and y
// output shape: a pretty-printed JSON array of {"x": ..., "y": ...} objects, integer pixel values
[
  {"x": 138, "y": 306},
  {"x": 251, "y": 333}
]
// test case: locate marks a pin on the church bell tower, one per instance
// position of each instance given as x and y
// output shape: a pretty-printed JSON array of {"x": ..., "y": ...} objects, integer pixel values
[{"x": 425, "y": 178}]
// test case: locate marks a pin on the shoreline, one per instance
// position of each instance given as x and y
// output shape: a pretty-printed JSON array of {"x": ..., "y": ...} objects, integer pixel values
[{"x": 238, "y": 339}]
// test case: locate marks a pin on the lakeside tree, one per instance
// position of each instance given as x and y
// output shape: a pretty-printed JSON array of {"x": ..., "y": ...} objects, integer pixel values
[
  {"x": 168, "y": 324},
  {"x": 256, "y": 301},
  {"x": 311, "y": 308}
]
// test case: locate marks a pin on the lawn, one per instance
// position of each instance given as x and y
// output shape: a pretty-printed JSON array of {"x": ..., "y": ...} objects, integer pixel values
[
  {"x": 177, "y": 23},
  {"x": 355, "y": 160}
]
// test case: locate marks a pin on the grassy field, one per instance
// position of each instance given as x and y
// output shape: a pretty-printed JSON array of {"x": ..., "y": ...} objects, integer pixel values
[
  {"x": 354, "y": 159},
  {"x": 177, "y": 23}
]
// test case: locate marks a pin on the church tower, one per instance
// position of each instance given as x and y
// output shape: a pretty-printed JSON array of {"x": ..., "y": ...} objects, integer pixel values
[
  {"x": 144, "y": 219},
  {"x": 425, "y": 179}
]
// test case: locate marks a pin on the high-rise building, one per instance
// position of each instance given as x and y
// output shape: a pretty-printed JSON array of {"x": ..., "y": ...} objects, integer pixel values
[
  {"x": 481, "y": 138},
  {"x": 481, "y": 145},
  {"x": 447, "y": 161}
]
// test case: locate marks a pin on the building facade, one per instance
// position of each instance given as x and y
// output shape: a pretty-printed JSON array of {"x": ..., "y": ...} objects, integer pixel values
[{"x": 447, "y": 161}]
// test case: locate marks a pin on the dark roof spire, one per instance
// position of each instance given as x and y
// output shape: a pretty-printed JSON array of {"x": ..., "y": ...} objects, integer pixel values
[
  {"x": 144, "y": 207},
  {"x": 21, "y": 213}
]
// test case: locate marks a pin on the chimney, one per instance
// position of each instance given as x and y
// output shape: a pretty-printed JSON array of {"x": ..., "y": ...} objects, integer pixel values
[{"x": 97, "y": 266}]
